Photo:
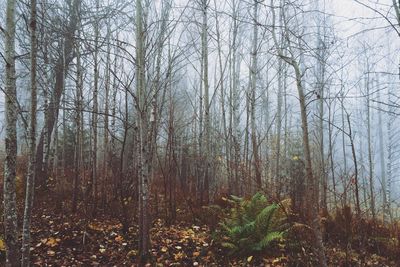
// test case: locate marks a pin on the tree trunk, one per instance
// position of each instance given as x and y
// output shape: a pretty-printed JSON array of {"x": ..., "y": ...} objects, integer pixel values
[
  {"x": 107, "y": 84},
  {"x": 355, "y": 181},
  {"x": 10, "y": 208},
  {"x": 370, "y": 156},
  {"x": 234, "y": 101},
  {"x": 51, "y": 112},
  {"x": 221, "y": 83},
  {"x": 78, "y": 129},
  {"x": 30, "y": 180},
  {"x": 390, "y": 151},
  {"x": 385, "y": 212},
  {"x": 144, "y": 222},
  {"x": 313, "y": 192},
  {"x": 207, "y": 125},
  {"x": 95, "y": 110},
  {"x": 344, "y": 175},
  {"x": 332, "y": 166},
  {"x": 253, "y": 88}
]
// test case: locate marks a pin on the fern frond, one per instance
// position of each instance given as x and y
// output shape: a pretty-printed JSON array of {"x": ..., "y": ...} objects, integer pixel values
[
  {"x": 236, "y": 199},
  {"x": 248, "y": 228},
  {"x": 263, "y": 219},
  {"x": 229, "y": 245},
  {"x": 257, "y": 203},
  {"x": 235, "y": 231},
  {"x": 270, "y": 237}
]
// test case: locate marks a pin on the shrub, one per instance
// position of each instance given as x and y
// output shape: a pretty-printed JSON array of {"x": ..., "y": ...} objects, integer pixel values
[{"x": 253, "y": 225}]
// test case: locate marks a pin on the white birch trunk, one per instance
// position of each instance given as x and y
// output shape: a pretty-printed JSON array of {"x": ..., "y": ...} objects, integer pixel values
[
  {"x": 30, "y": 180},
  {"x": 10, "y": 209}
]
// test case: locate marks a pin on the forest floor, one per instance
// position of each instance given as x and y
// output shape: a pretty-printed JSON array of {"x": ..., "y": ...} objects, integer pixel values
[{"x": 64, "y": 239}]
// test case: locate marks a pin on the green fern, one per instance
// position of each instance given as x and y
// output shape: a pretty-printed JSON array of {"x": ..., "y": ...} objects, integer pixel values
[
  {"x": 263, "y": 219},
  {"x": 236, "y": 199},
  {"x": 229, "y": 246},
  {"x": 270, "y": 237},
  {"x": 252, "y": 225},
  {"x": 257, "y": 203}
]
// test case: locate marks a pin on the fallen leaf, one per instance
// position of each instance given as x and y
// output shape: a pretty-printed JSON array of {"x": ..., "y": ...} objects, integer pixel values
[
  {"x": 132, "y": 253},
  {"x": 178, "y": 256},
  {"x": 2, "y": 245},
  {"x": 95, "y": 227},
  {"x": 275, "y": 261},
  {"x": 51, "y": 253},
  {"x": 52, "y": 242},
  {"x": 119, "y": 238},
  {"x": 250, "y": 258}
]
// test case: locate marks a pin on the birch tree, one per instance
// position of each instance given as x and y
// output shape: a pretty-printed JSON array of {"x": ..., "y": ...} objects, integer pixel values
[
  {"x": 141, "y": 92},
  {"x": 10, "y": 208},
  {"x": 95, "y": 110},
  {"x": 78, "y": 127},
  {"x": 382, "y": 159},
  {"x": 253, "y": 87},
  {"x": 369, "y": 140},
  {"x": 234, "y": 94},
  {"x": 30, "y": 180},
  {"x": 321, "y": 58},
  {"x": 206, "y": 87}
]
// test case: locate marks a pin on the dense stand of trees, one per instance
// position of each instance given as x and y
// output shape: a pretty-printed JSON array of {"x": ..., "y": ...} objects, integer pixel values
[{"x": 141, "y": 105}]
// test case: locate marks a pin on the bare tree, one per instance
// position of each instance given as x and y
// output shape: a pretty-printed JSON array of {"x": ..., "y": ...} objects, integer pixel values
[
  {"x": 51, "y": 113},
  {"x": 207, "y": 104},
  {"x": 369, "y": 136},
  {"x": 95, "y": 110},
  {"x": 78, "y": 127},
  {"x": 30, "y": 180},
  {"x": 252, "y": 94},
  {"x": 382, "y": 158},
  {"x": 144, "y": 222},
  {"x": 10, "y": 205},
  {"x": 234, "y": 95},
  {"x": 312, "y": 200}
]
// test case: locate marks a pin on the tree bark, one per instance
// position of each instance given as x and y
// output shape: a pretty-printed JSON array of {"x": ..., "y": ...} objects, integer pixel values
[
  {"x": 207, "y": 125},
  {"x": 344, "y": 175},
  {"x": 78, "y": 128},
  {"x": 10, "y": 208},
  {"x": 370, "y": 156},
  {"x": 353, "y": 152},
  {"x": 234, "y": 100},
  {"x": 30, "y": 180},
  {"x": 382, "y": 161},
  {"x": 144, "y": 222},
  {"x": 95, "y": 110},
  {"x": 253, "y": 88}
]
